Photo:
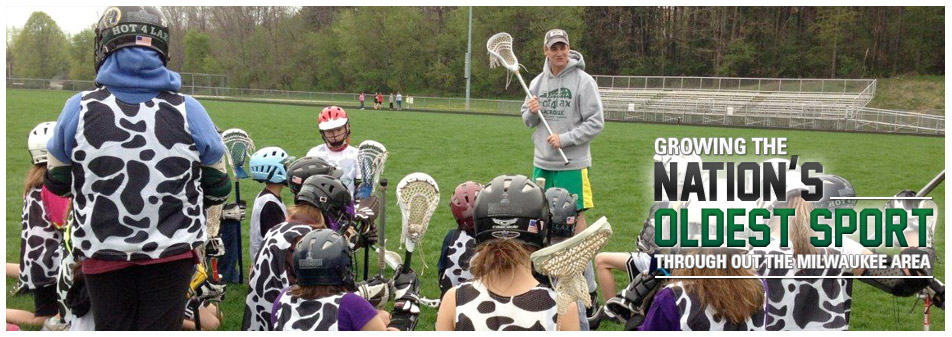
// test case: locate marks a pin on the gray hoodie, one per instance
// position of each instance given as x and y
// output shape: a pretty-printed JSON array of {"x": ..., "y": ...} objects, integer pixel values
[{"x": 573, "y": 108}]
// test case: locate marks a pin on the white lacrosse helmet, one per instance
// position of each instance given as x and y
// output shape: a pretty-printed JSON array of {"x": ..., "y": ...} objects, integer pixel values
[{"x": 36, "y": 142}]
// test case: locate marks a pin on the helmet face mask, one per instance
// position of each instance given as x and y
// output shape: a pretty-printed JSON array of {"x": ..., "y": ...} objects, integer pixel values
[
  {"x": 131, "y": 26},
  {"x": 323, "y": 258},
  {"x": 511, "y": 207}
]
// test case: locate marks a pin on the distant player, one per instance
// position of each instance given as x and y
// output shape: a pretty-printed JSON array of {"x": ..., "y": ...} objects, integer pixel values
[
  {"x": 334, "y": 127},
  {"x": 269, "y": 166},
  {"x": 459, "y": 244}
]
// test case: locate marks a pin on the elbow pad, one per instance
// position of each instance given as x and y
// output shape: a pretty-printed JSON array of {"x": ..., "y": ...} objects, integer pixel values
[
  {"x": 887, "y": 277},
  {"x": 59, "y": 180},
  {"x": 216, "y": 186}
]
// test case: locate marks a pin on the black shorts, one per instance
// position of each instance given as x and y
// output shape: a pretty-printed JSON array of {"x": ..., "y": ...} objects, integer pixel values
[{"x": 44, "y": 301}]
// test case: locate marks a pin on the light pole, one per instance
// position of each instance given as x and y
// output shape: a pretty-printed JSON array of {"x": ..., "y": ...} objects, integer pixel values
[{"x": 469, "y": 51}]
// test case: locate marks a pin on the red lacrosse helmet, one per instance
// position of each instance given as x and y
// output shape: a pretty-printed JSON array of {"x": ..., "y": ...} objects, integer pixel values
[
  {"x": 333, "y": 117},
  {"x": 461, "y": 204}
]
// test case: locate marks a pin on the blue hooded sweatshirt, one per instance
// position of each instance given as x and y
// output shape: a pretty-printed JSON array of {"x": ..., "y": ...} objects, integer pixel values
[{"x": 135, "y": 75}]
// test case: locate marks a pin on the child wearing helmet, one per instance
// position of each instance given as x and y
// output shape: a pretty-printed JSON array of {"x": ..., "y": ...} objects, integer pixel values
[
  {"x": 317, "y": 201},
  {"x": 511, "y": 217},
  {"x": 334, "y": 127},
  {"x": 40, "y": 237},
  {"x": 459, "y": 245},
  {"x": 269, "y": 166},
  {"x": 323, "y": 269}
]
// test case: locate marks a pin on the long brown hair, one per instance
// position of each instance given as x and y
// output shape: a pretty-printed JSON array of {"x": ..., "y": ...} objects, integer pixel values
[
  {"x": 315, "y": 292},
  {"x": 34, "y": 178},
  {"x": 734, "y": 299},
  {"x": 497, "y": 256}
]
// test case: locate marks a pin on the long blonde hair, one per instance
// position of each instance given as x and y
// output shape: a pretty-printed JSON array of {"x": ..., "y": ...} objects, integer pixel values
[
  {"x": 498, "y": 256},
  {"x": 34, "y": 178},
  {"x": 311, "y": 214},
  {"x": 799, "y": 230},
  {"x": 734, "y": 299}
]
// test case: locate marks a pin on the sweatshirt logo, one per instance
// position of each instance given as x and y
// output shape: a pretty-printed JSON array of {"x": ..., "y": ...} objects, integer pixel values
[{"x": 558, "y": 93}]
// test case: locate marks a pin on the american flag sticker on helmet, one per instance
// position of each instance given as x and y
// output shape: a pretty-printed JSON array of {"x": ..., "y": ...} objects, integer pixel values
[
  {"x": 570, "y": 220},
  {"x": 143, "y": 40},
  {"x": 533, "y": 226}
]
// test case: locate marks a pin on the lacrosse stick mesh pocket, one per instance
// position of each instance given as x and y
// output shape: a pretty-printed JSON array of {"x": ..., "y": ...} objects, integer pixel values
[{"x": 567, "y": 260}]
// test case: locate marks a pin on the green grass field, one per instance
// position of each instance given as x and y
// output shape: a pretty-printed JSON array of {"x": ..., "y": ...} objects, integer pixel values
[{"x": 454, "y": 147}]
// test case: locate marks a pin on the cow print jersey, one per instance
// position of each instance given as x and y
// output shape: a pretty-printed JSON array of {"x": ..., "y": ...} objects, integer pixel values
[
  {"x": 478, "y": 309},
  {"x": 457, "y": 254},
  {"x": 40, "y": 253},
  {"x": 136, "y": 179},
  {"x": 806, "y": 304},
  {"x": 695, "y": 317},
  {"x": 300, "y": 314},
  {"x": 268, "y": 275},
  {"x": 64, "y": 281}
]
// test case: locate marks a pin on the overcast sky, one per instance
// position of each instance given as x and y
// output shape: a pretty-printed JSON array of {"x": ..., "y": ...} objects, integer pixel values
[{"x": 71, "y": 19}]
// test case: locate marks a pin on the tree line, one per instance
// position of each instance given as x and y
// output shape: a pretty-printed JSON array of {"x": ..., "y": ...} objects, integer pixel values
[{"x": 422, "y": 49}]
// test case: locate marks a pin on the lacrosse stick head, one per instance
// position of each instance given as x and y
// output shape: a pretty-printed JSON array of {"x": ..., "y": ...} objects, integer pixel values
[
  {"x": 418, "y": 196},
  {"x": 240, "y": 147},
  {"x": 372, "y": 157},
  {"x": 500, "y": 51},
  {"x": 566, "y": 261}
]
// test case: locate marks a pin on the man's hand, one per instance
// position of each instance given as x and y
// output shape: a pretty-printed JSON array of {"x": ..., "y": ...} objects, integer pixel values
[
  {"x": 554, "y": 140},
  {"x": 534, "y": 105}
]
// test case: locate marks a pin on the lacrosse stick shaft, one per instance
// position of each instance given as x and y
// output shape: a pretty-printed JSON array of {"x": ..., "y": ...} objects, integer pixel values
[
  {"x": 542, "y": 118},
  {"x": 406, "y": 261},
  {"x": 381, "y": 230},
  {"x": 927, "y": 302},
  {"x": 241, "y": 251},
  {"x": 931, "y": 185}
]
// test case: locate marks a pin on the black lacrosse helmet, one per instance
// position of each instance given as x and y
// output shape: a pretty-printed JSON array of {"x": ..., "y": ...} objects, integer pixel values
[
  {"x": 131, "y": 26},
  {"x": 328, "y": 194},
  {"x": 562, "y": 206},
  {"x": 835, "y": 186},
  {"x": 322, "y": 258},
  {"x": 511, "y": 207},
  {"x": 303, "y": 168}
]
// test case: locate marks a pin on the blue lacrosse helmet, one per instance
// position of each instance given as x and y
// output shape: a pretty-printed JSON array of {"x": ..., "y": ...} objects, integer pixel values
[{"x": 269, "y": 165}]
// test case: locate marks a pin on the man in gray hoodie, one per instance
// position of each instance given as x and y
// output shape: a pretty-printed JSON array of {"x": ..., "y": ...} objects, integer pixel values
[{"x": 568, "y": 98}]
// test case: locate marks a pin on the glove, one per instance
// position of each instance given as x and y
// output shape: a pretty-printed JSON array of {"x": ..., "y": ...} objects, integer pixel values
[
  {"x": 376, "y": 291},
  {"x": 215, "y": 247},
  {"x": 406, "y": 285},
  {"x": 209, "y": 291},
  {"x": 234, "y": 211},
  {"x": 937, "y": 290},
  {"x": 367, "y": 209}
]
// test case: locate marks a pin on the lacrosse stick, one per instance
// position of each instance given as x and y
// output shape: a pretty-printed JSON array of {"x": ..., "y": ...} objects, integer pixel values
[
  {"x": 372, "y": 156},
  {"x": 240, "y": 147},
  {"x": 417, "y": 195},
  {"x": 566, "y": 261},
  {"x": 500, "y": 51}
]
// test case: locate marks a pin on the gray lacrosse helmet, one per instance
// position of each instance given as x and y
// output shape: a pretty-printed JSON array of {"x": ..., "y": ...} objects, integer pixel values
[
  {"x": 511, "y": 207},
  {"x": 303, "y": 168},
  {"x": 835, "y": 186},
  {"x": 562, "y": 207}
]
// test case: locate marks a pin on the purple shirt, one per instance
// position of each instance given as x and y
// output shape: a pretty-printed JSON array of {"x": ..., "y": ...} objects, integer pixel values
[
  {"x": 354, "y": 313},
  {"x": 663, "y": 315}
]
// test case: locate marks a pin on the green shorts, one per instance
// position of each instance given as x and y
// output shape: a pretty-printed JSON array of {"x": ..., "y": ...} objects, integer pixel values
[{"x": 575, "y": 181}]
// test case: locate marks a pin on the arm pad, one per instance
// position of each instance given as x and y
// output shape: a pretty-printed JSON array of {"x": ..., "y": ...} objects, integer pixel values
[
  {"x": 58, "y": 180},
  {"x": 216, "y": 186}
]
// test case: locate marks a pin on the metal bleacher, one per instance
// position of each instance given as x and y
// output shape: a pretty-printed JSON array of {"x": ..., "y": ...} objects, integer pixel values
[{"x": 824, "y": 104}]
